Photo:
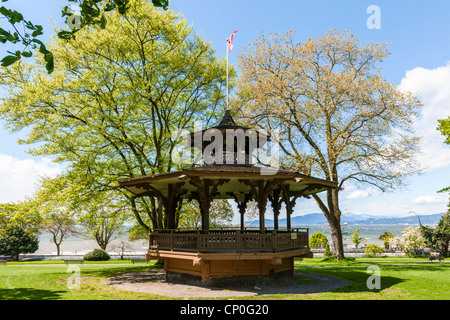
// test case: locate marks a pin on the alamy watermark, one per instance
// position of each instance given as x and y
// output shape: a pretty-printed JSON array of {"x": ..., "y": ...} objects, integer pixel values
[
  {"x": 374, "y": 20},
  {"x": 74, "y": 280},
  {"x": 374, "y": 281}
]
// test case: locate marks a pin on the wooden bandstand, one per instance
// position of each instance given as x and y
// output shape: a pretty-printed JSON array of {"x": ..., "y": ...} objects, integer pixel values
[{"x": 228, "y": 173}]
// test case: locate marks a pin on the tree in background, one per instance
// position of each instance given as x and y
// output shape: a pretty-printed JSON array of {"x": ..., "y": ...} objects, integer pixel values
[
  {"x": 112, "y": 107},
  {"x": 15, "y": 240},
  {"x": 338, "y": 118},
  {"x": 411, "y": 239},
  {"x": 444, "y": 127},
  {"x": 438, "y": 238},
  {"x": 386, "y": 237},
  {"x": 356, "y": 239},
  {"x": 318, "y": 240},
  {"x": 220, "y": 215},
  {"x": 60, "y": 226}
]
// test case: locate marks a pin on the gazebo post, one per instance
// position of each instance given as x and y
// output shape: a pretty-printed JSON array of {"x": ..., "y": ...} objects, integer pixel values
[
  {"x": 261, "y": 191},
  {"x": 289, "y": 203},
  {"x": 205, "y": 196},
  {"x": 242, "y": 205},
  {"x": 276, "y": 201}
]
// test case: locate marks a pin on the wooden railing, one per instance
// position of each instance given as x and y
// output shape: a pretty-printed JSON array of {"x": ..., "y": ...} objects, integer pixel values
[{"x": 229, "y": 240}]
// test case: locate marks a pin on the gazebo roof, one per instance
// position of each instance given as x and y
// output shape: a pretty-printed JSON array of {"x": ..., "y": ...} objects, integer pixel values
[
  {"x": 228, "y": 123},
  {"x": 235, "y": 177}
]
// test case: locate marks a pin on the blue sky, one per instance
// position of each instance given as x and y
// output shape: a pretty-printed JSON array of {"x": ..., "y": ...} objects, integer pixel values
[{"x": 419, "y": 37}]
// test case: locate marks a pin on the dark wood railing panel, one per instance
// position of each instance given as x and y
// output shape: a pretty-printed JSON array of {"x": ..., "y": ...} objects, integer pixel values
[{"x": 229, "y": 240}]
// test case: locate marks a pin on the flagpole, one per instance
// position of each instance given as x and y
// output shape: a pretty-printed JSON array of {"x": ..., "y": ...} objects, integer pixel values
[{"x": 227, "y": 69}]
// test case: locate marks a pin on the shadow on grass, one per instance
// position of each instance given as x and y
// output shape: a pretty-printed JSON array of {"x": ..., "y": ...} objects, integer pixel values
[
  {"x": 358, "y": 279},
  {"x": 29, "y": 294},
  {"x": 111, "y": 272}
]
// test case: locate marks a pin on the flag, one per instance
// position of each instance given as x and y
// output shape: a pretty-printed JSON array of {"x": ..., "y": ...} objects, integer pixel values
[{"x": 230, "y": 41}]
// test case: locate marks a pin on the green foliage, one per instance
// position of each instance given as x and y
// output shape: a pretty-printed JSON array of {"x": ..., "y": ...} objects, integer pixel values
[
  {"x": 114, "y": 104},
  {"x": 15, "y": 240},
  {"x": 438, "y": 238},
  {"x": 328, "y": 252},
  {"x": 385, "y": 237},
  {"x": 97, "y": 255},
  {"x": 92, "y": 13},
  {"x": 318, "y": 240},
  {"x": 356, "y": 239},
  {"x": 373, "y": 249}
]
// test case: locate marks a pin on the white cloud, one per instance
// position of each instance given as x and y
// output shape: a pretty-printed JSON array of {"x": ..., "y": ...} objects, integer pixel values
[
  {"x": 19, "y": 176},
  {"x": 361, "y": 194},
  {"x": 432, "y": 87},
  {"x": 434, "y": 199}
]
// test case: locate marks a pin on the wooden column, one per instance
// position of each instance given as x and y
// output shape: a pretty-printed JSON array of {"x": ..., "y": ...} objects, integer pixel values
[
  {"x": 289, "y": 203},
  {"x": 276, "y": 202},
  {"x": 242, "y": 205},
  {"x": 206, "y": 190},
  {"x": 260, "y": 191}
]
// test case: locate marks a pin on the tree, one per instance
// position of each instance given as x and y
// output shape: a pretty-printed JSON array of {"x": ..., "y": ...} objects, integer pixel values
[
  {"x": 386, "y": 237},
  {"x": 22, "y": 214},
  {"x": 356, "y": 239},
  {"x": 16, "y": 240},
  {"x": 92, "y": 13},
  {"x": 103, "y": 216},
  {"x": 411, "y": 240},
  {"x": 220, "y": 215},
  {"x": 438, "y": 238},
  {"x": 112, "y": 107},
  {"x": 444, "y": 127},
  {"x": 121, "y": 247},
  {"x": 318, "y": 240},
  {"x": 337, "y": 117},
  {"x": 60, "y": 227},
  {"x": 395, "y": 243}
]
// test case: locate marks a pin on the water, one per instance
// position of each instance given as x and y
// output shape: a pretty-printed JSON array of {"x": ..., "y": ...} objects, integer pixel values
[
  {"x": 81, "y": 246},
  {"x": 370, "y": 232}
]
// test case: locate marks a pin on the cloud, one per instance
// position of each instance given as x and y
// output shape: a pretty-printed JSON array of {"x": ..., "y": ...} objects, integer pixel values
[
  {"x": 432, "y": 87},
  {"x": 434, "y": 199},
  {"x": 19, "y": 176},
  {"x": 361, "y": 194}
]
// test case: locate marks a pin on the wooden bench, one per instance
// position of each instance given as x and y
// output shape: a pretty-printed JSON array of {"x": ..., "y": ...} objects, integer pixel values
[
  {"x": 73, "y": 261},
  {"x": 133, "y": 261}
]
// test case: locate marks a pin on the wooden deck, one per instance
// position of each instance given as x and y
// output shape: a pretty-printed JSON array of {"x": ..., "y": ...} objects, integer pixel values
[{"x": 229, "y": 240}]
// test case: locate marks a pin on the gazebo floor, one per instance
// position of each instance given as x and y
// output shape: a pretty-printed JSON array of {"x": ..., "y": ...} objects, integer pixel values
[{"x": 207, "y": 265}]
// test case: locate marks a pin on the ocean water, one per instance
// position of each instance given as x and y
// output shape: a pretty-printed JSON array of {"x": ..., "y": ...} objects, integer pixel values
[
  {"x": 81, "y": 246},
  {"x": 370, "y": 232}
]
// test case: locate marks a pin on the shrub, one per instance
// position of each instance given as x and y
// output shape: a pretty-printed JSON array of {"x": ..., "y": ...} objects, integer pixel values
[
  {"x": 373, "y": 249},
  {"x": 97, "y": 255},
  {"x": 16, "y": 240}
]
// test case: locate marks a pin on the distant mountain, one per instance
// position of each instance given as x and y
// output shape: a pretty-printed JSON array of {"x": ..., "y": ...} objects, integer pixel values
[{"x": 354, "y": 219}]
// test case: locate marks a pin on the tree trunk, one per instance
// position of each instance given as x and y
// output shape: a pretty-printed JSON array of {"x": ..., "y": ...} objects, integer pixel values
[
  {"x": 333, "y": 215},
  {"x": 336, "y": 238}
]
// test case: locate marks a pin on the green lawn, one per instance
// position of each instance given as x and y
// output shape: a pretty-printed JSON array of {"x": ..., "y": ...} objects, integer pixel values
[{"x": 401, "y": 278}]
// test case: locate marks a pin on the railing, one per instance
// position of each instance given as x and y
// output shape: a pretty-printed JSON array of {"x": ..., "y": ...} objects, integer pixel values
[{"x": 229, "y": 240}]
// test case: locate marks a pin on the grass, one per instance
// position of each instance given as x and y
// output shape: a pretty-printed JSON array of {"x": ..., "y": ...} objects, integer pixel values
[{"x": 401, "y": 279}]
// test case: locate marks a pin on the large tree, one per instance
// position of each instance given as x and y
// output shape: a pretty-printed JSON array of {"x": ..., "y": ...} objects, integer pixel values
[
  {"x": 337, "y": 117},
  {"x": 26, "y": 34},
  {"x": 111, "y": 108}
]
